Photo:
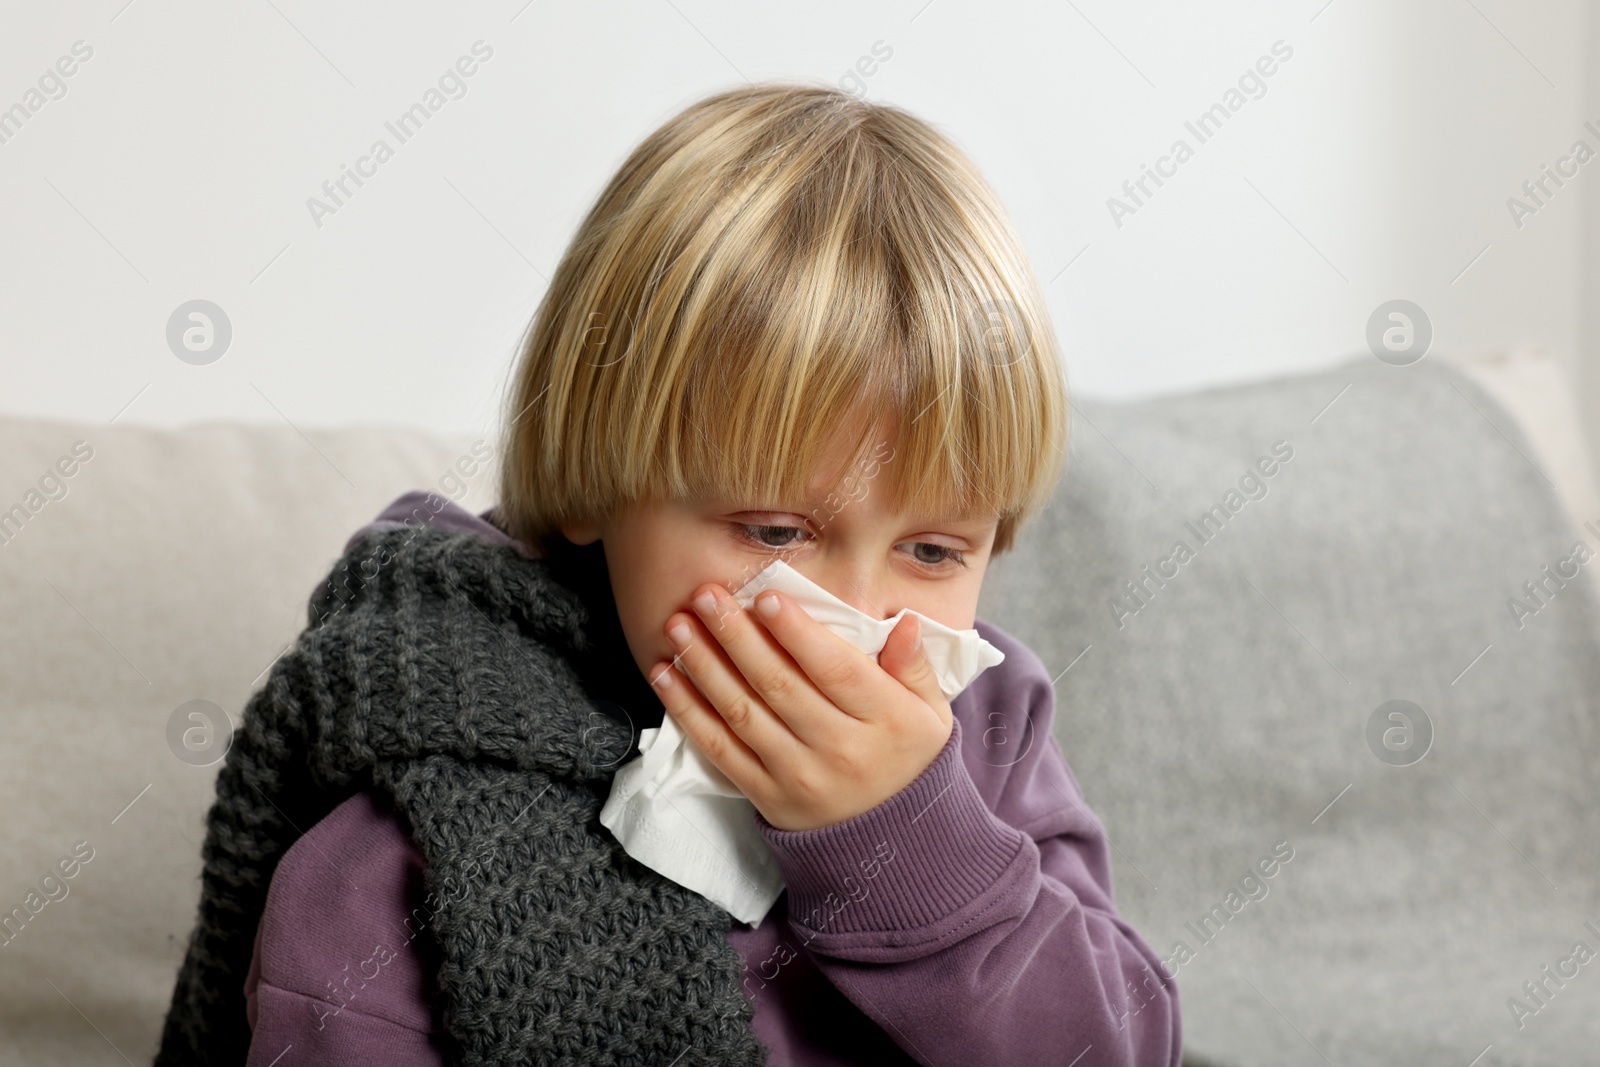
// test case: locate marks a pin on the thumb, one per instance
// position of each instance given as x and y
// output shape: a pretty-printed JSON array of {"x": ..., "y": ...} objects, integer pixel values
[{"x": 902, "y": 657}]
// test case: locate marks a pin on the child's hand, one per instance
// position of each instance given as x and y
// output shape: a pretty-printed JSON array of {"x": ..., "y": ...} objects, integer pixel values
[{"x": 803, "y": 722}]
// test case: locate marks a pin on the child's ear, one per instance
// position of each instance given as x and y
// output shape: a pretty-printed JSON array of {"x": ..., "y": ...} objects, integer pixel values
[{"x": 580, "y": 533}]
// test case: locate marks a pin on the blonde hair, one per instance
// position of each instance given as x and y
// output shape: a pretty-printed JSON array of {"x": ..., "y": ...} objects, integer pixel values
[{"x": 770, "y": 265}]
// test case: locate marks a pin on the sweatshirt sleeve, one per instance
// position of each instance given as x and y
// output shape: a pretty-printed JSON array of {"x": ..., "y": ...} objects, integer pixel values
[
  {"x": 342, "y": 967},
  {"x": 971, "y": 915}
]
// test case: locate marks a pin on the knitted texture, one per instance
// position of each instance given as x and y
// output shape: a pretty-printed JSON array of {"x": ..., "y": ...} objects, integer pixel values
[{"x": 434, "y": 670}]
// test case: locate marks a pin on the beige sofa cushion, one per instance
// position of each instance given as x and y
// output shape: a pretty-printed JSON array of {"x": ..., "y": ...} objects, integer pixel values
[{"x": 176, "y": 567}]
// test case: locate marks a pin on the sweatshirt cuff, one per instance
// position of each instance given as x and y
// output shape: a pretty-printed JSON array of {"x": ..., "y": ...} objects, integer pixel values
[{"x": 918, "y": 857}]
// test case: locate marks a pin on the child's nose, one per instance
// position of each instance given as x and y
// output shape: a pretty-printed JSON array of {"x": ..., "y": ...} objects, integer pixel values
[{"x": 855, "y": 584}]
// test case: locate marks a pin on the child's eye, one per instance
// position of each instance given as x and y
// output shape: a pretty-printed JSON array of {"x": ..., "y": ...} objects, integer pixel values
[
  {"x": 945, "y": 554},
  {"x": 758, "y": 534}
]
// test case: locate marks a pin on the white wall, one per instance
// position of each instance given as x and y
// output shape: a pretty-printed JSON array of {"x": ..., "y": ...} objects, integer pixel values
[
  {"x": 179, "y": 163},
  {"x": 1587, "y": 356}
]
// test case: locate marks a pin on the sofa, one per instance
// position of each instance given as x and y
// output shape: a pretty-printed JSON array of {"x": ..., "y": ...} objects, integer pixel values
[{"x": 1332, "y": 682}]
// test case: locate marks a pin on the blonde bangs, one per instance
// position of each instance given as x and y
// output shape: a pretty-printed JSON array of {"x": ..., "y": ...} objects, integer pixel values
[{"x": 773, "y": 275}]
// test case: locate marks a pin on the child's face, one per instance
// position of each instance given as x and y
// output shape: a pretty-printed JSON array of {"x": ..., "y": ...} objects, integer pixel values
[{"x": 661, "y": 553}]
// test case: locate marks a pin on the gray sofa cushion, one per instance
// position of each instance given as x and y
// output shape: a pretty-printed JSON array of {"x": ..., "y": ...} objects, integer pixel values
[{"x": 1230, "y": 713}]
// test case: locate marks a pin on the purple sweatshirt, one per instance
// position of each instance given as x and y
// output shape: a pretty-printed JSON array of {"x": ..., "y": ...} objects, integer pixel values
[{"x": 985, "y": 930}]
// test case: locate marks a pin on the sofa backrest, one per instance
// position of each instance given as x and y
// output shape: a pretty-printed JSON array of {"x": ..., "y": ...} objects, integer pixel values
[
  {"x": 1233, "y": 587},
  {"x": 1228, "y": 713}
]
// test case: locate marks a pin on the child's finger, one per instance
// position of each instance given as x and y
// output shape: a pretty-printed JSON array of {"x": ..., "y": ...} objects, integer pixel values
[
  {"x": 703, "y": 725},
  {"x": 723, "y": 685},
  {"x": 844, "y": 674},
  {"x": 902, "y": 656}
]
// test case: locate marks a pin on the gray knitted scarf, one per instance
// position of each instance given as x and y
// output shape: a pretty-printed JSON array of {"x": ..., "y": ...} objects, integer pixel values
[{"x": 436, "y": 670}]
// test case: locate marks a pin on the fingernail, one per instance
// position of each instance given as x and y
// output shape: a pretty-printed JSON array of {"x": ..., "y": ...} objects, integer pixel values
[
  {"x": 767, "y": 605},
  {"x": 706, "y": 603},
  {"x": 679, "y": 632},
  {"x": 663, "y": 678}
]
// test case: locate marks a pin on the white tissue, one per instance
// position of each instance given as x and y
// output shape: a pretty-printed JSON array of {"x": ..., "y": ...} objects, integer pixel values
[{"x": 675, "y": 812}]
